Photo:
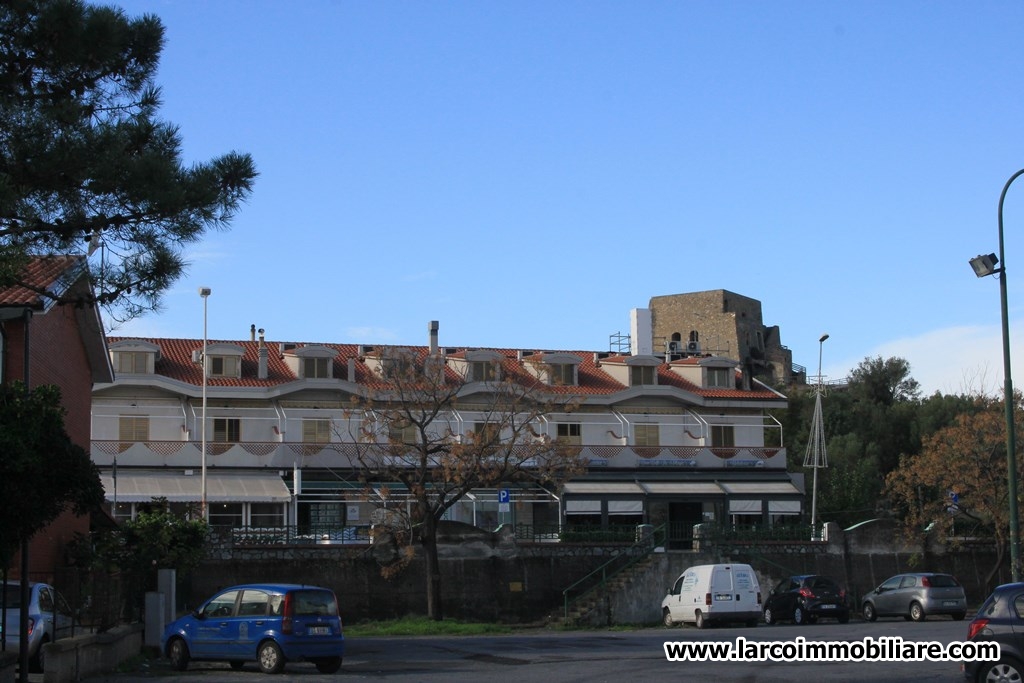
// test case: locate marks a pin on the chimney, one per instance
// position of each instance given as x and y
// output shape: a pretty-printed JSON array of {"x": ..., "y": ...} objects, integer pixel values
[
  {"x": 252, "y": 332},
  {"x": 262, "y": 371},
  {"x": 432, "y": 327}
]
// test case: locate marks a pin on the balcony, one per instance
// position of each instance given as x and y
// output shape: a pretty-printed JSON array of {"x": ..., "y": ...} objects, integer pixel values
[{"x": 285, "y": 455}]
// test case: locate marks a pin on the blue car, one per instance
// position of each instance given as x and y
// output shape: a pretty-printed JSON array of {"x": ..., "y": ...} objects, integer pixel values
[{"x": 270, "y": 624}]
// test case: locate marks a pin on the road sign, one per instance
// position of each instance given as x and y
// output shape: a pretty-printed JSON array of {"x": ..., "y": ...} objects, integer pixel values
[{"x": 504, "y": 496}]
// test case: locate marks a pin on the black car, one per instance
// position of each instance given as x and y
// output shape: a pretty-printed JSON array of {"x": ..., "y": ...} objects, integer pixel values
[
  {"x": 1000, "y": 619},
  {"x": 806, "y": 598}
]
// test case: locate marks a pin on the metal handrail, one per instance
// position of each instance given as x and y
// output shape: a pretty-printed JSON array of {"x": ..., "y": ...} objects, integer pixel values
[{"x": 647, "y": 544}]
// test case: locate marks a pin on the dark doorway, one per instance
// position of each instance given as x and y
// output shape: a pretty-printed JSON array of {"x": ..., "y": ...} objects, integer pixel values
[{"x": 681, "y": 518}]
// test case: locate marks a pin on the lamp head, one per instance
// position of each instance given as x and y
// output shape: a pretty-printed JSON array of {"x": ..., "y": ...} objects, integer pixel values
[
  {"x": 823, "y": 338},
  {"x": 984, "y": 264},
  {"x": 204, "y": 292}
]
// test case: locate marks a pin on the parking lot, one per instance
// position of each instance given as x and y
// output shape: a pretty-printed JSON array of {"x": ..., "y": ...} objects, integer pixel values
[{"x": 593, "y": 656}]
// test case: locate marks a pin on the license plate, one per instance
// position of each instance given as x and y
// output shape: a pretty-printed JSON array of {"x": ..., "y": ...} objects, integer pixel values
[
  {"x": 950, "y": 603},
  {"x": 319, "y": 630},
  {"x": 827, "y": 606},
  {"x": 723, "y": 596}
]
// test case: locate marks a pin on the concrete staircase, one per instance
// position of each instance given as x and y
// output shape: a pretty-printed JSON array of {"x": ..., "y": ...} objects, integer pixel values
[{"x": 593, "y": 608}]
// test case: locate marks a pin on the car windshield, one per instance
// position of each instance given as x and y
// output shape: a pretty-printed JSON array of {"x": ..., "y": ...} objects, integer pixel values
[
  {"x": 823, "y": 583},
  {"x": 943, "y": 581},
  {"x": 315, "y": 603}
]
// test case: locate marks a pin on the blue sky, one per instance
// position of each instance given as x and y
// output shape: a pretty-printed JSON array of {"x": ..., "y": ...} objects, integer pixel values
[{"x": 528, "y": 172}]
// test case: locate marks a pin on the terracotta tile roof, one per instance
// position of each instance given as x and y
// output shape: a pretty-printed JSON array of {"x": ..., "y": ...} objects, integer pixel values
[
  {"x": 176, "y": 363},
  {"x": 41, "y": 273}
]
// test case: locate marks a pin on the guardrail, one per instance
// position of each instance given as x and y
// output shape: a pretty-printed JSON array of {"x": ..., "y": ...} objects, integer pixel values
[
  {"x": 721, "y": 534},
  {"x": 292, "y": 535},
  {"x": 576, "y": 533}
]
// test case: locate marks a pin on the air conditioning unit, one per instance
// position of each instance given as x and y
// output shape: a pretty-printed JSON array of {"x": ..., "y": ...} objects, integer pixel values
[
  {"x": 675, "y": 347},
  {"x": 692, "y": 347}
]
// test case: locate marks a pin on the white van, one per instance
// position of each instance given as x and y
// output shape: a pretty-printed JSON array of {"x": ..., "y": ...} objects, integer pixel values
[{"x": 713, "y": 593}]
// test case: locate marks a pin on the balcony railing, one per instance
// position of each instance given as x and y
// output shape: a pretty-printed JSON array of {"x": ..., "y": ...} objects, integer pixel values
[{"x": 276, "y": 454}]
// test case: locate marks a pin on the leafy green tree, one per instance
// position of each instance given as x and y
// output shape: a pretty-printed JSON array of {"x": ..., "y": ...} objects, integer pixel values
[
  {"x": 42, "y": 472},
  {"x": 869, "y": 422},
  {"x": 85, "y": 163},
  {"x": 156, "y": 539}
]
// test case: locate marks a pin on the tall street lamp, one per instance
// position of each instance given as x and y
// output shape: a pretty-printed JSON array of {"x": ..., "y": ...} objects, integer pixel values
[
  {"x": 816, "y": 455},
  {"x": 986, "y": 265},
  {"x": 205, "y": 293}
]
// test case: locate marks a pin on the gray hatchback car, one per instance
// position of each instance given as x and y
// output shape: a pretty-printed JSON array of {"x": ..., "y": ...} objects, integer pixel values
[{"x": 915, "y": 597}]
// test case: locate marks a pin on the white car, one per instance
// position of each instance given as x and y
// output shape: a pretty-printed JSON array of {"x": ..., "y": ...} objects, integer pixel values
[{"x": 49, "y": 618}]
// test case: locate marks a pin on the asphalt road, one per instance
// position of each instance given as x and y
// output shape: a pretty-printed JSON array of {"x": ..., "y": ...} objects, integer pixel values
[{"x": 593, "y": 657}]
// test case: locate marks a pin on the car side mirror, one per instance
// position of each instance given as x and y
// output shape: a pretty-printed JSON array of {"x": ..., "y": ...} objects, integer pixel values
[{"x": 199, "y": 614}]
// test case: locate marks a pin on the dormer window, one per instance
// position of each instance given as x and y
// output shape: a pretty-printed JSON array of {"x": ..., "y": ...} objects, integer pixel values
[
  {"x": 563, "y": 374},
  {"x": 483, "y": 371},
  {"x": 720, "y": 378},
  {"x": 222, "y": 360},
  {"x": 311, "y": 362},
  {"x": 642, "y": 375},
  {"x": 136, "y": 362},
  {"x": 224, "y": 366},
  {"x": 134, "y": 357},
  {"x": 555, "y": 368},
  {"x": 319, "y": 368},
  {"x": 476, "y": 365}
]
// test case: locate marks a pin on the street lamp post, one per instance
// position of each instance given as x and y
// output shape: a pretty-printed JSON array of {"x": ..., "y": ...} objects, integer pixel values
[
  {"x": 205, "y": 293},
  {"x": 816, "y": 455},
  {"x": 985, "y": 265}
]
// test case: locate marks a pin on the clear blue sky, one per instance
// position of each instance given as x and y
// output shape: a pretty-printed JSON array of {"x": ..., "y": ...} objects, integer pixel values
[{"x": 528, "y": 172}]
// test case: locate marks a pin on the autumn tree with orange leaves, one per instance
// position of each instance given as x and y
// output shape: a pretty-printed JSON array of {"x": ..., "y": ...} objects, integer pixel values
[
  {"x": 967, "y": 458},
  {"x": 412, "y": 434}
]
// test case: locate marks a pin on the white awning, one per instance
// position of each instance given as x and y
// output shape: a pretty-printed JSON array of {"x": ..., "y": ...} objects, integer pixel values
[
  {"x": 602, "y": 488},
  {"x": 683, "y": 488},
  {"x": 744, "y": 507},
  {"x": 784, "y": 507},
  {"x": 177, "y": 487},
  {"x": 760, "y": 488},
  {"x": 625, "y": 507},
  {"x": 582, "y": 507}
]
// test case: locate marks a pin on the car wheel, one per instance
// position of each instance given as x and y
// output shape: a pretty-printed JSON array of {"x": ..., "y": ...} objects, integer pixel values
[
  {"x": 769, "y": 616},
  {"x": 917, "y": 612},
  {"x": 667, "y": 620},
  {"x": 177, "y": 652},
  {"x": 236, "y": 665},
  {"x": 958, "y": 616},
  {"x": 270, "y": 658},
  {"x": 869, "y": 612},
  {"x": 700, "y": 623},
  {"x": 799, "y": 617},
  {"x": 330, "y": 665},
  {"x": 1003, "y": 671}
]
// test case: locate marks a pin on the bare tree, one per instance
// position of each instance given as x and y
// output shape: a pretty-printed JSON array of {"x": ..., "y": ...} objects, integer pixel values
[{"x": 411, "y": 433}]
